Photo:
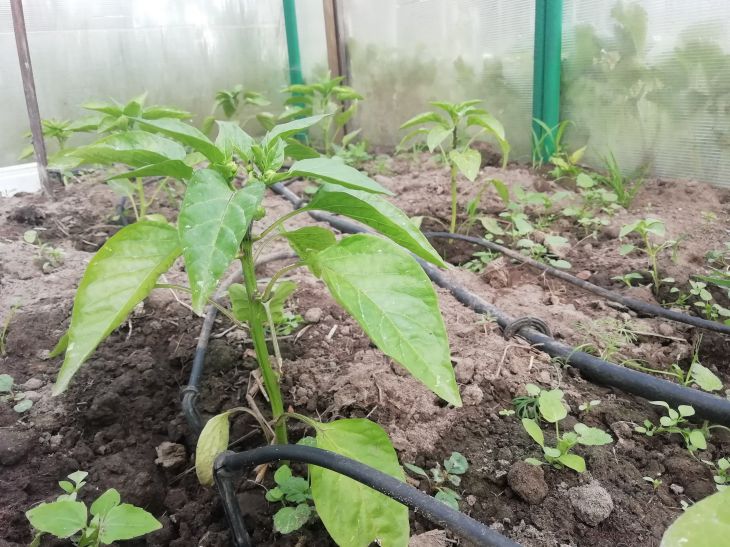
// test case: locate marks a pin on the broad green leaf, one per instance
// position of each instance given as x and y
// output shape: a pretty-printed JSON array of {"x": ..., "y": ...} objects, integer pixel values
[
  {"x": 584, "y": 181},
  {"x": 704, "y": 524},
  {"x": 240, "y": 305},
  {"x": 213, "y": 220},
  {"x": 274, "y": 494},
  {"x": 705, "y": 378},
  {"x": 295, "y": 126},
  {"x": 310, "y": 240},
  {"x": 23, "y": 406},
  {"x": 426, "y": 117},
  {"x": 448, "y": 499},
  {"x": 490, "y": 123},
  {"x": 279, "y": 296},
  {"x": 336, "y": 172},
  {"x": 491, "y": 225},
  {"x": 120, "y": 275},
  {"x": 576, "y": 156},
  {"x": 686, "y": 410},
  {"x": 6, "y": 383},
  {"x": 626, "y": 229},
  {"x": 122, "y": 188},
  {"x": 456, "y": 463},
  {"x": 532, "y": 390},
  {"x": 387, "y": 292},
  {"x": 366, "y": 516},
  {"x": 66, "y": 486},
  {"x": 415, "y": 469},
  {"x": 232, "y": 139},
  {"x": 289, "y": 519},
  {"x": 467, "y": 162},
  {"x": 409, "y": 136},
  {"x": 574, "y": 462},
  {"x": 551, "y": 452},
  {"x": 176, "y": 169},
  {"x": 378, "y": 213},
  {"x": 186, "y": 134},
  {"x": 156, "y": 112},
  {"x": 104, "y": 503},
  {"x": 551, "y": 405},
  {"x": 135, "y": 148},
  {"x": 533, "y": 430},
  {"x": 212, "y": 441},
  {"x": 502, "y": 190},
  {"x": 437, "y": 135},
  {"x": 591, "y": 436},
  {"x": 78, "y": 477},
  {"x": 126, "y": 521},
  {"x": 60, "y": 518},
  {"x": 697, "y": 439},
  {"x": 298, "y": 151}
]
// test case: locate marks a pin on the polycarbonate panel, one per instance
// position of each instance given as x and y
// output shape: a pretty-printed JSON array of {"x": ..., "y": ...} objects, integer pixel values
[
  {"x": 649, "y": 81},
  {"x": 180, "y": 52},
  {"x": 405, "y": 53}
]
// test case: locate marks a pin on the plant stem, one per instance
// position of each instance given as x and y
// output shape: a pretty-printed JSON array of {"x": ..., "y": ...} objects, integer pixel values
[
  {"x": 452, "y": 227},
  {"x": 270, "y": 287},
  {"x": 140, "y": 193},
  {"x": 256, "y": 328},
  {"x": 281, "y": 220}
]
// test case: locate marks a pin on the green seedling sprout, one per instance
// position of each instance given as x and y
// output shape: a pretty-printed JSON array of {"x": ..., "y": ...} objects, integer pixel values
[
  {"x": 454, "y": 468},
  {"x": 695, "y": 438},
  {"x": 8, "y": 394},
  {"x": 588, "y": 406},
  {"x": 647, "y": 229}
]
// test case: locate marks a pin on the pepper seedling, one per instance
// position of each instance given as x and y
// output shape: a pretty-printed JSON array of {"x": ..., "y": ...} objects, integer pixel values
[{"x": 375, "y": 279}]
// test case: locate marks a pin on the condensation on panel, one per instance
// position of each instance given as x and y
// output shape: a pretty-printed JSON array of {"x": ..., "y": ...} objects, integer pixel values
[
  {"x": 180, "y": 53},
  {"x": 406, "y": 53},
  {"x": 649, "y": 82}
]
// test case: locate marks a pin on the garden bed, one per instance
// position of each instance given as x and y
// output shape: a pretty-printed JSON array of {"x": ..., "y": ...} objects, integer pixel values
[{"x": 124, "y": 404}]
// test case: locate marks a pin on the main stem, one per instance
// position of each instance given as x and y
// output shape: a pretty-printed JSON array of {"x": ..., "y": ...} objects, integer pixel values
[
  {"x": 453, "y": 200},
  {"x": 256, "y": 327}
]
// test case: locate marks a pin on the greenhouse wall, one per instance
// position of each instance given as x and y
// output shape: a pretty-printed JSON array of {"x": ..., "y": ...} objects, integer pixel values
[
  {"x": 649, "y": 82},
  {"x": 405, "y": 53},
  {"x": 180, "y": 53}
]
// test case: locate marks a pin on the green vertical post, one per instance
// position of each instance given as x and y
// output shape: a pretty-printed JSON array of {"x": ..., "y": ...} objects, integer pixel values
[
  {"x": 292, "y": 42},
  {"x": 546, "y": 72}
]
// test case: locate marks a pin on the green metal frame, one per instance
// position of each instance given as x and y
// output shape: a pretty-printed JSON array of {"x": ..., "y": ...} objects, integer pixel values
[
  {"x": 546, "y": 73},
  {"x": 292, "y": 42}
]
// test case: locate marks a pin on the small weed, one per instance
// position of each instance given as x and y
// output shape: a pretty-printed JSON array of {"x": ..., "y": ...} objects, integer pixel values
[
  {"x": 480, "y": 260},
  {"x": 646, "y": 229},
  {"x": 110, "y": 521},
  {"x": 628, "y": 279},
  {"x": 454, "y": 467},
  {"x": 675, "y": 421},
  {"x": 5, "y": 328},
  {"x": 11, "y": 396},
  {"x": 48, "y": 257},
  {"x": 720, "y": 472},
  {"x": 655, "y": 482},
  {"x": 588, "y": 406},
  {"x": 293, "y": 490},
  {"x": 704, "y": 301},
  {"x": 623, "y": 187}
]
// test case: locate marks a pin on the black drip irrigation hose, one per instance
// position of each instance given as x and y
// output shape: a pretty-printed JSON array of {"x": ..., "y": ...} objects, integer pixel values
[
  {"x": 706, "y": 405},
  {"x": 228, "y": 464},
  {"x": 631, "y": 303}
]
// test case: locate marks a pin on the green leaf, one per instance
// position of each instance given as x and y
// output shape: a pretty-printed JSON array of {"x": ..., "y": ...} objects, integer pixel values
[
  {"x": 574, "y": 462},
  {"x": 467, "y": 162},
  {"x": 378, "y": 213},
  {"x": 335, "y": 172},
  {"x": 551, "y": 452},
  {"x": 213, "y": 220},
  {"x": 275, "y": 494},
  {"x": 176, "y": 169},
  {"x": 120, "y": 275},
  {"x": 551, "y": 405},
  {"x": 490, "y": 123},
  {"x": 122, "y": 188},
  {"x": 78, "y": 477},
  {"x": 104, "y": 503},
  {"x": 415, "y": 469},
  {"x": 456, "y": 463},
  {"x": 426, "y": 117},
  {"x": 591, "y": 436},
  {"x": 212, "y": 441},
  {"x": 67, "y": 487},
  {"x": 289, "y": 519},
  {"x": 286, "y": 129},
  {"x": 367, "y": 516},
  {"x": 502, "y": 190},
  {"x": 704, "y": 524},
  {"x": 126, "y": 521},
  {"x": 533, "y": 461},
  {"x": 448, "y": 499},
  {"x": 135, "y": 148},
  {"x": 491, "y": 225},
  {"x": 388, "y": 293},
  {"x": 697, "y": 439},
  {"x": 686, "y": 410},
  {"x": 705, "y": 378},
  {"x": 310, "y": 240},
  {"x": 282, "y": 474},
  {"x": 584, "y": 181},
  {"x": 6, "y": 383},
  {"x": 279, "y": 296},
  {"x": 232, "y": 139},
  {"x": 534, "y": 431},
  {"x": 186, "y": 134},
  {"x": 60, "y": 518},
  {"x": 156, "y": 112},
  {"x": 240, "y": 304},
  {"x": 626, "y": 249},
  {"x": 23, "y": 406},
  {"x": 436, "y": 136},
  {"x": 298, "y": 151}
]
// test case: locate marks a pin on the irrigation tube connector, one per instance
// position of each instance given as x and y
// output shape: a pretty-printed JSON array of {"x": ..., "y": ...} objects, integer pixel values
[
  {"x": 631, "y": 303},
  {"x": 706, "y": 405},
  {"x": 229, "y": 464}
]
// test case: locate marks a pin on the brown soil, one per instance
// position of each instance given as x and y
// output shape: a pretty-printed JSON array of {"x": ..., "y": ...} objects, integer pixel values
[{"x": 331, "y": 370}]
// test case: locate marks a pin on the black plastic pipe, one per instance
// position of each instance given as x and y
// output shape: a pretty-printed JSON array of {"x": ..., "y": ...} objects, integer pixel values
[
  {"x": 228, "y": 464},
  {"x": 631, "y": 303},
  {"x": 706, "y": 405}
]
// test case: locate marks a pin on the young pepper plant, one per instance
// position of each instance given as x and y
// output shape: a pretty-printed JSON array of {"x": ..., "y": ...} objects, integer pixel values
[
  {"x": 375, "y": 279},
  {"x": 454, "y": 129}
]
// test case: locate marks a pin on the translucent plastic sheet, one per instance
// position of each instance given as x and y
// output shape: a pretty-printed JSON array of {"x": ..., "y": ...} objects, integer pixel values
[
  {"x": 404, "y": 53},
  {"x": 649, "y": 81},
  {"x": 181, "y": 53}
]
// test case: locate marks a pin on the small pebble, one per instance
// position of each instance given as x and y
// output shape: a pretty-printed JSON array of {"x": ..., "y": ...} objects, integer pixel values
[
  {"x": 591, "y": 502},
  {"x": 313, "y": 315},
  {"x": 32, "y": 395},
  {"x": 677, "y": 489},
  {"x": 584, "y": 275},
  {"x": 33, "y": 384}
]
